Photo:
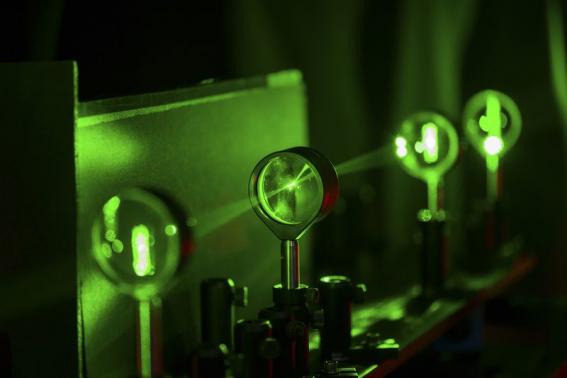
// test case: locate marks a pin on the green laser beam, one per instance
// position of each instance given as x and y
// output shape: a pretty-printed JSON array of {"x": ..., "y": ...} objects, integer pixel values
[
  {"x": 217, "y": 218},
  {"x": 374, "y": 159}
]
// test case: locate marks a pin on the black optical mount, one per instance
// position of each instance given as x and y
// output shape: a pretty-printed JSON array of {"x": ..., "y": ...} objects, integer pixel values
[
  {"x": 255, "y": 349},
  {"x": 293, "y": 314},
  {"x": 219, "y": 299},
  {"x": 337, "y": 295},
  {"x": 434, "y": 257}
]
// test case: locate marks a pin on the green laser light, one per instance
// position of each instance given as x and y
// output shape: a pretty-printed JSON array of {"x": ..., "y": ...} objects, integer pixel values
[
  {"x": 137, "y": 243},
  {"x": 289, "y": 191},
  {"x": 401, "y": 147},
  {"x": 427, "y": 147}
]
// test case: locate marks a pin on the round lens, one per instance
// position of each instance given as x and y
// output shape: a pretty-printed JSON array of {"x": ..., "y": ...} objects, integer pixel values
[
  {"x": 290, "y": 190},
  {"x": 136, "y": 243},
  {"x": 492, "y": 122},
  {"x": 426, "y": 145}
]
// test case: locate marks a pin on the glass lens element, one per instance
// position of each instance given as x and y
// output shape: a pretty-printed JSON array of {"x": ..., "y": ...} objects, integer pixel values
[
  {"x": 290, "y": 190},
  {"x": 136, "y": 243},
  {"x": 492, "y": 123},
  {"x": 426, "y": 145}
]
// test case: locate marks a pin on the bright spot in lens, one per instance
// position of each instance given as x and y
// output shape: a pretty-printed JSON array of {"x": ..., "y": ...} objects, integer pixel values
[
  {"x": 170, "y": 230},
  {"x": 401, "y": 147},
  {"x": 106, "y": 251},
  {"x": 493, "y": 145},
  {"x": 428, "y": 144},
  {"x": 141, "y": 262},
  {"x": 290, "y": 191},
  {"x": 117, "y": 246},
  {"x": 141, "y": 258},
  {"x": 110, "y": 235}
]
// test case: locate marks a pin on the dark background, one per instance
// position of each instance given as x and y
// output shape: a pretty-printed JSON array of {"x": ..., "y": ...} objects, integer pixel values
[{"x": 366, "y": 65}]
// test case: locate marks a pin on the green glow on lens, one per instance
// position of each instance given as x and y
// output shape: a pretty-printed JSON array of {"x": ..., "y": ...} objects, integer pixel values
[
  {"x": 493, "y": 145},
  {"x": 170, "y": 230},
  {"x": 117, "y": 246},
  {"x": 109, "y": 210},
  {"x": 435, "y": 146},
  {"x": 428, "y": 144},
  {"x": 290, "y": 191},
  {"x": 492, "y": 123},
  {"x": 106, "y": 250},
  {"x": 401, "y": 147},
  {"x": 144, "y": 251},
  {"x": 141, "y": 251}
]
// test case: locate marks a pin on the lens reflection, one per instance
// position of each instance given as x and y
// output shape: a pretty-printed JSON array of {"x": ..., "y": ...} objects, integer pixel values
[
  {"x": 290, "y": 191},
  {"x": 136, "y": 243}
]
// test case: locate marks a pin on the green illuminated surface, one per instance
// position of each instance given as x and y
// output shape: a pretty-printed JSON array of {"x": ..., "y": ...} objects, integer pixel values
[
  {"x": 136, "y": 243},
  {"x": 426, "y": 147},
  {"x": 290, "y": 191},
  {"x": 226, "y": 226}
]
